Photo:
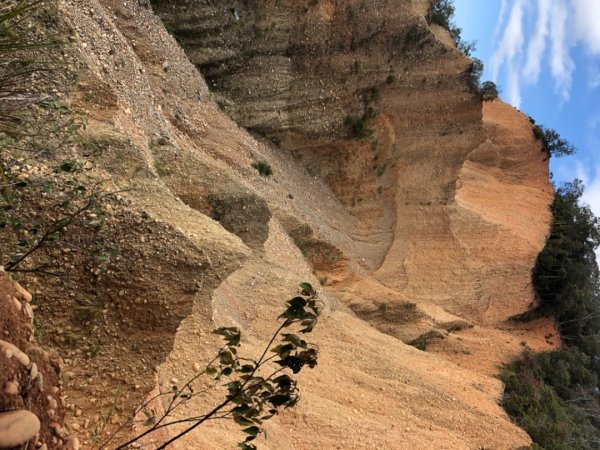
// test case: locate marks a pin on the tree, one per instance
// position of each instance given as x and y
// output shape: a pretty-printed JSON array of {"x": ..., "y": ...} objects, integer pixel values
[
  {"x": 552, "y": 142},
  {"x": 554, "y": 395},
  {"x": 256, "y": 389},
  {"x": 441, "y": 13},
  {"x": 488, "y": 91}
]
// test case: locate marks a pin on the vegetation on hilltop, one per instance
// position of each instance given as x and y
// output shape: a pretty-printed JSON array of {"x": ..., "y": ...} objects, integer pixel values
[
  {"x": 442, "y": 13},
  {"x": 552, "y": 142},
  {"x": 554, "y": 396}
]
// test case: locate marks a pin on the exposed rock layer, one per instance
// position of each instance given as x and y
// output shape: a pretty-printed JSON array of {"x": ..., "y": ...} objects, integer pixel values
[{"x": 450, "y": 197}]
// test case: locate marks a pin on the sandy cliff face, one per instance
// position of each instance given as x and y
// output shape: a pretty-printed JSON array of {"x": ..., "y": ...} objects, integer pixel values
[
  {"x": 449, "y": 197},
  {"x": 425, "y": 225}
]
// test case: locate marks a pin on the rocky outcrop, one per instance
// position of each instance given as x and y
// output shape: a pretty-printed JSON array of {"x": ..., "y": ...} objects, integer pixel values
[
  {"x": 450, "y": 194},
  {"x": 31, "y": 409}
]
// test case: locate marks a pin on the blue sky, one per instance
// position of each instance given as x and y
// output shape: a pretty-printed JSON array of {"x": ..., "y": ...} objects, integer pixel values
[{"x": 545, "y": 57}]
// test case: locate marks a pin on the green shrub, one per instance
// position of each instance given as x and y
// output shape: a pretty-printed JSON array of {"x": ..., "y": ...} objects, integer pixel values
[
  {"x": 488, "y": 91},
  {"x": 554, "y": 396},
  {"x": 552, "y": 142},
  {"x": 357, "y": 126},
  {"x": 441, "y": 13},
  {"x": 264, "y": 168},
  {"x": 566, "y": 274}
]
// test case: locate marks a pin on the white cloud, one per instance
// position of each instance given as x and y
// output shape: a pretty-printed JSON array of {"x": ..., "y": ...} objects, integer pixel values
[
  {"x": 537, "y": 44},
  {"x": 501, "y": 17},
  {"x": 587, "y": 24},
  {"x": 513, "y": 89},
  {"x": 560, "y": 62},
  {"x": 509, "y": 52},
  {"x": 558, "y": 27}
]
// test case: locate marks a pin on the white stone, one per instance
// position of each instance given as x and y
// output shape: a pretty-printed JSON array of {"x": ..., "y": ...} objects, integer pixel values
[
  {"x": 17, "y": 427},
  {"x": 17, "y": 303},
  {"x": 24, "y": 294},
  {"x": 29, "y": 311},
  {"x": 74, "y": 443},
  {"x": 51, "y": 402},
  {"x": 18, "y": 354},
  {"x": 33, "y": 371},
  {"x": 11, "y": 388}
]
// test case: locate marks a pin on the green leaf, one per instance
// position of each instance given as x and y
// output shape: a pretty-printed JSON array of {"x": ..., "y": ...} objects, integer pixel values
[
  {"x": 246, "y": 368},
  {"x": 241, "y": 420},
  {"x": 284, "y": 382},
  {"x": 280, "y": 399},
  {"x": 294, "y": 339},
  {"x": 307, "y": 289},
  {"x": 226, "y": 357},
  {"x": 283, "y": 349},
  {"x": 233, "y": 387},
  {"x": 292, "y": 362},
  {"x": 150, "y": 421},
  {"x": 252, "y": 431},
  {"x": 231, "y": 335}
]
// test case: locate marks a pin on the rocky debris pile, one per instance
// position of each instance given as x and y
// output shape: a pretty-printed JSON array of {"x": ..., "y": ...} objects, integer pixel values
[{"x": 31, "y": 405}]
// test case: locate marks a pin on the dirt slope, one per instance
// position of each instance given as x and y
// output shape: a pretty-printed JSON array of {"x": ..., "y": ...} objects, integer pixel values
[{"x": 426, "y": 226}]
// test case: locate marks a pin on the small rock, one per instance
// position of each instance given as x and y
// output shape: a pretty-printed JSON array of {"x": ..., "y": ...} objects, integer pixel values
[
  {"x": 11, "y": 388},
  {"x": 78, "y": 413},
  {"x": 24, "y": 294},
  {"x": 18, "y": 354},
  {"x": 17, "y": 304},
  {"x": 29, "y": 311},
  {"x": 17, "y": 427},
  {"x": 196, "y": 367},
  {"x": 59, "y": 430},
  {"x": 51, "y": 402},
  {"x": 40, "y": 382},
  {"x": 33, "y": 372},
  {"x": 74, "y": 443}
]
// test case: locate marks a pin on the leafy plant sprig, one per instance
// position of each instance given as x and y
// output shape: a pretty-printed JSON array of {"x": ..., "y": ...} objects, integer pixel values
[{"x": 257, "y": 389}]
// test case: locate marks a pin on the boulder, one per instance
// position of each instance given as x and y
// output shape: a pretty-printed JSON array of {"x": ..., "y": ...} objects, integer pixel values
[{"x": 17, "y": 427}]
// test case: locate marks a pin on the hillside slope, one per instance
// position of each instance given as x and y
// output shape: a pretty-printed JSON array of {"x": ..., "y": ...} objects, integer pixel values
[{"x": 426, "y": 226}]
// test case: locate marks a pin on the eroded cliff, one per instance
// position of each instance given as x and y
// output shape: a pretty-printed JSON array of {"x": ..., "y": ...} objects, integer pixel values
[{"x": 418, "y": 208}]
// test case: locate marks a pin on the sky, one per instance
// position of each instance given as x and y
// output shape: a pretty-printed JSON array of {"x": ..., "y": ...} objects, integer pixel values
[{"x": 544, "y": 55}]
